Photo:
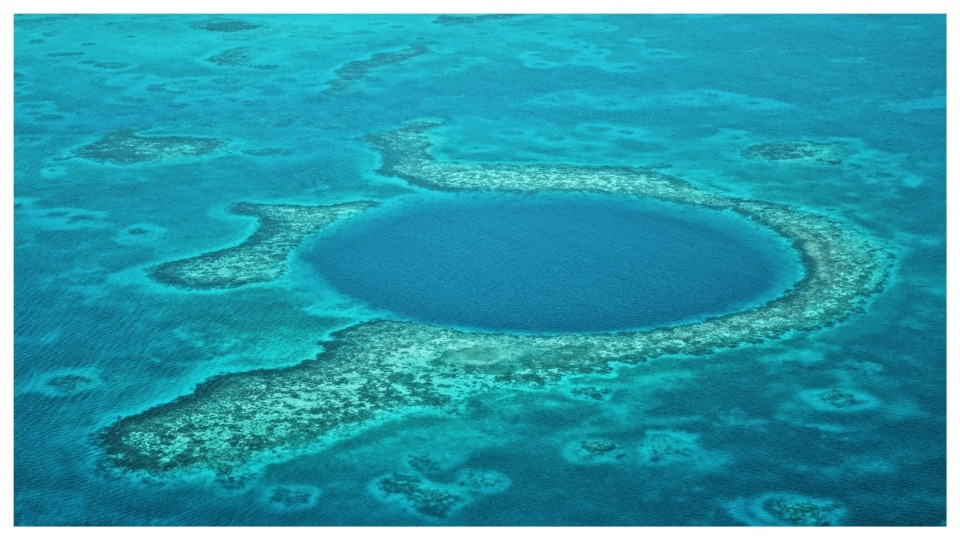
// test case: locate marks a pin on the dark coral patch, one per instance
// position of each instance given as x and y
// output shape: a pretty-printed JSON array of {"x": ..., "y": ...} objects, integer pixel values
[
  {"x": 238, "y": 56},
  {"x": 125, "y": 147},
  {"x": 69, "y": 383},
  {"x": 798, "y": 151},
  {"x": 292, "y": 497},
  {"x": 660, "y": 447},
  {"x": 597, "y": 448},
  {"x": 264, "y": 152},
  {"x": 797, "y": 510},
  {"x": 591, "y": 392},
  {"x": 139, "y": 234},
  {"x": 461, "y": 20},
  {"x": 105, "y": 65},
  {"x": 841, "y": 399},
  {"x": 594, "y": 452},
  {"x": 358, "y": 69},
  {"x": 424, "y": 464},
  {"x": 225, "y": 25},
  {"x": 30, "y": 22},
  {"x": 426, "y": 500}
]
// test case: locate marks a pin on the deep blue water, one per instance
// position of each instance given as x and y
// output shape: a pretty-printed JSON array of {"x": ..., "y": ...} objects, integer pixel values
[
  {"x": 690, "y": 92},
  {"x": 550, "y": 263}
]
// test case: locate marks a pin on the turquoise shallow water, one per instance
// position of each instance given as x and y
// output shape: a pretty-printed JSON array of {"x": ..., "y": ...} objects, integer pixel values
[{"x": 721, "y": 439}]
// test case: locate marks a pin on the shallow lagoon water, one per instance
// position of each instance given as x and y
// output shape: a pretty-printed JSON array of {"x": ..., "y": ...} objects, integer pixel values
[
  {"x": 549, "y": 263},
  {"x": 843, "y": 425}
]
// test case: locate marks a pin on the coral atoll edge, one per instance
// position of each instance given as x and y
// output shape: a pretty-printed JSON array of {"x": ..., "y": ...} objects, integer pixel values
[{"x": 374, "y": 370}]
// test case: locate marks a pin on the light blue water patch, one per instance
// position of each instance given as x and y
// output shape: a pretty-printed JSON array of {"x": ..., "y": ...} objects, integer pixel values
[{"x": 553, "y": 263}]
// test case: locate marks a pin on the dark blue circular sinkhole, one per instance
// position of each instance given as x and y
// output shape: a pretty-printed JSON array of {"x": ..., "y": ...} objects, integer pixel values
[{"x": 552, "y": 263}]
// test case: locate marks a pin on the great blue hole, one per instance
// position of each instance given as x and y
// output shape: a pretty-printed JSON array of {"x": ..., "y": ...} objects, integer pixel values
[{"x": 558, "y": 263}]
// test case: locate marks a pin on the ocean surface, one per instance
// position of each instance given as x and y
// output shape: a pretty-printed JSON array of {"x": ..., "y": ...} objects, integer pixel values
[{"x": 135, "y": 134}]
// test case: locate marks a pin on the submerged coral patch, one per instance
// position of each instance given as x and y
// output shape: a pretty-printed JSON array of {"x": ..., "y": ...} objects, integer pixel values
[
  {"x": 68, "y": 383},
  {"x": 139, "y": 233},
  {"x": 830, "y": 153},
  {"x": 789, "y": 510},
  {"x": 593, "y": 451},
  {"x": 237, "y": 56},
  {"x": 419, "y": 495},
  {"x": 105, "y": 65},
  {"x": 438, "y": 500},
  {"x": 34, "y": 21},
  {"x": 590, "y": 392},
  {"x": 839, "y": 400},
  {"x": 465, "y": 20},
  {"x": 662, "y": 447},
  {"x": 352, "y": 72},
  {"x": 61, "y": 218},
  {"x": 484, "y": 481},
  {"x": 242, "y": 57},
  {"x": 267, "y": 152},
  {"x": 225, "y": 25},
  {"x": 424, "y": 464},
  {"x": 65, "y": 382},
  {"x": 292, "y": 497},
  {"x": 262, "y": 256},
  {"x": 125, "y": 147}
]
